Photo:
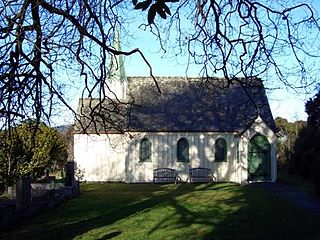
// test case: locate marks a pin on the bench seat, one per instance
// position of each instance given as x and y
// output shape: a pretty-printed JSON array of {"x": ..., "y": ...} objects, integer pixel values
[
  {"x": 201, "y": 175},
  {"x": 165, "y": 175}
]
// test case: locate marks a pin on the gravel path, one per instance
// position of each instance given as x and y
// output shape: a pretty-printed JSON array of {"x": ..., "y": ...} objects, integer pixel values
[{"x": 293, "y": 194}]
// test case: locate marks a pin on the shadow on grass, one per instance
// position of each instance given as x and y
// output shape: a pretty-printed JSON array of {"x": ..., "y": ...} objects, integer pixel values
[
  {"x": 183, "y": 211},
  {"x": 136, "y": 201},
  {"x": 263, "y": 215},
  {"x": 248, "y": 213},
  {"x": 109, "y": 235}
]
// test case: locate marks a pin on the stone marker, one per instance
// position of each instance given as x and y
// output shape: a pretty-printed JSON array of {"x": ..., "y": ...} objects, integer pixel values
[
  {"x": 69, "y": 178},
  {"x": 23, "y": 193}
]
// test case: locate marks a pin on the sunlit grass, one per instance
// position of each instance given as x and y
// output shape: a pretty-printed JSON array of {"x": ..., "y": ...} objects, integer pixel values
[{"x": 182, "y": 211}]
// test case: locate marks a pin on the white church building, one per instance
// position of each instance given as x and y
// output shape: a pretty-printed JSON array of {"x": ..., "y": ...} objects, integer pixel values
[{"x": 193, "y": 122}]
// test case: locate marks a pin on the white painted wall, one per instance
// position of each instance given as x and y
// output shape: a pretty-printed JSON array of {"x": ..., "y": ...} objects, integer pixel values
[
  {"x": 164, "y": 151},
  {"x": 115, "y": 157},
  {"x": 105, "y": 157},
  {"x": 100, "y": 157}
]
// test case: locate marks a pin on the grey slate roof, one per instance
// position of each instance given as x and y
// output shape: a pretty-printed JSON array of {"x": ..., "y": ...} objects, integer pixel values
[{"x": 184, "y": 105}]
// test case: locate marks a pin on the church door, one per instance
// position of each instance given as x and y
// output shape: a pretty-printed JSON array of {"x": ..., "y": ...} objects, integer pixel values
[{"x": 259, "y": 159}]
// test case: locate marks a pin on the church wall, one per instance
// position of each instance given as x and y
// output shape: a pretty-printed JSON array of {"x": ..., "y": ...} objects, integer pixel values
[
  {"x": 164, "y": 154},
  {"x": 115, "y": 157},
  {"x": 100, "y": 157}
]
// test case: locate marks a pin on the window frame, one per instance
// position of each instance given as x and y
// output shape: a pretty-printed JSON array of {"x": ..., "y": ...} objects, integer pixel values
[
  {"x": 182, "y": 150},
  {"x": 224, "y": 149},
  {"x": 145, "y": 150}
]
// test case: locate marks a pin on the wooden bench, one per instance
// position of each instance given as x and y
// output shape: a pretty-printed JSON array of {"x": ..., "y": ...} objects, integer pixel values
[
  {"x": 165, "y": 175},
  {"x": 201, "y": 175}
]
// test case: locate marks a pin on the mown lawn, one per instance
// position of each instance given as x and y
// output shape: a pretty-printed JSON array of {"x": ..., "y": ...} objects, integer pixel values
[{"x": 182, "y": 211}]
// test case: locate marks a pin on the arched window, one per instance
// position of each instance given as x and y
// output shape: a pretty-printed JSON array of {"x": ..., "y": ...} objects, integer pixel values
[
  {"x": 183, "y": 150},
  {"x": 145, "y": 150},
  {"x": 220, "y": 153}
]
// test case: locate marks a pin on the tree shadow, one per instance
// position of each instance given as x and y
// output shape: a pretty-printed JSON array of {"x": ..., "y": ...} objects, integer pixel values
[
  {"x": 198, "y": 211},
  {"x": 157, "y": 194},
  {"x": 264, "y": 215},
  {"x": 110, "y": 235}
]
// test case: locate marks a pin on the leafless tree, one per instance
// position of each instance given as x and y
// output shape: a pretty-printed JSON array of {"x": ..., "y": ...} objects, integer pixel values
[
  {"x": 241, "y": 38},
  {"x": 231, "y": 38},
  {"x": 40, "y": 38}
]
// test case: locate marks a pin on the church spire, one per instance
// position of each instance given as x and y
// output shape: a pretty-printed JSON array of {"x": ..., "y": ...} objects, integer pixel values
[{"x": 117, "y": 76}]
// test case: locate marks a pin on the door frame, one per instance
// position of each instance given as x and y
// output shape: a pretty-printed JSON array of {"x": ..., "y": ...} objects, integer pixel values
[{"x": 263, "y": 154}]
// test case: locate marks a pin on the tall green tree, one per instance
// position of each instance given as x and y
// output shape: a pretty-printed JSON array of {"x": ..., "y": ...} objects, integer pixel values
[
  {"x": 11, "y": 156},
  {"x": 29, "y": 149},
  {"x": 313, "y": 111},
  {"x": 288, "y": 135},
  {"x": 306, "y": 159}
]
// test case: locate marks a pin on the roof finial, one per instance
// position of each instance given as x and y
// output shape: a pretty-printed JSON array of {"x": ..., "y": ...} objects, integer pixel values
[
  {"x": 117, "y": 74},
  {"x": 116, "y": 38},
  {"x": 117, "y": 62}
]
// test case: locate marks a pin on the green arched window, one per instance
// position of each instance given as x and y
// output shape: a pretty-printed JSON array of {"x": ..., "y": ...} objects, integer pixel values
[
  {"x": 145, "y": 150},
  {"x": 183, "y": 150},
  {"x": 220, "y": 153}
]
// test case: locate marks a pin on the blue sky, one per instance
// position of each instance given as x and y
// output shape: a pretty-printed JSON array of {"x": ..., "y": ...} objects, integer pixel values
[
  {"x": 287, "y": 103},
  {"x": 284, "y": 102}
]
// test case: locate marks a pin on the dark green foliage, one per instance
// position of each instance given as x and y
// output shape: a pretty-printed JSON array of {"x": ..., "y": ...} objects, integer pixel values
[
  {"x": 158, "y": 7},
  {"x": 28, "y": 150},
  {"x": 2, "y": 180},
  {"x": 288, "y": 134},
  {"x": 306, "y": 154},
  {"x": 301, "y": 155},
  {"x": 11, "y": 155},
  {"x": 315, "y": 173},
  {"x": 143, "y": 5},
  {"x": 313, "y": 149},
  {"x": 313, "y": 111},
  {"x": 306, "y": 158}
]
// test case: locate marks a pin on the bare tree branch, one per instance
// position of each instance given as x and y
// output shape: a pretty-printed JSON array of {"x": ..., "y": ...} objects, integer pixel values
[
  {"x": 39, "y": 38},
  {"x": 236, "y": 39}
]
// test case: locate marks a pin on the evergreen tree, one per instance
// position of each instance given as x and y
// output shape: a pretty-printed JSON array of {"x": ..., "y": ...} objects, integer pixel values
[
  {"x": 306, "y": 159},
  {"x": 28, "y": 150}
]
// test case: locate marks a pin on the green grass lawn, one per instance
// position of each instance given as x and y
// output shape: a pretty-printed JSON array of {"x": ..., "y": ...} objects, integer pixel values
[{"x": 182, "y": 211}]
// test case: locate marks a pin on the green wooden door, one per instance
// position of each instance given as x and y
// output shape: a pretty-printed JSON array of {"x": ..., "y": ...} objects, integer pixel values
[{"x": 259, "y": 159}]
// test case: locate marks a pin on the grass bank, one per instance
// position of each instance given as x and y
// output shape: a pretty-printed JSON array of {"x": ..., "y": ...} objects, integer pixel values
[{"x": 182, "y": 211}]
